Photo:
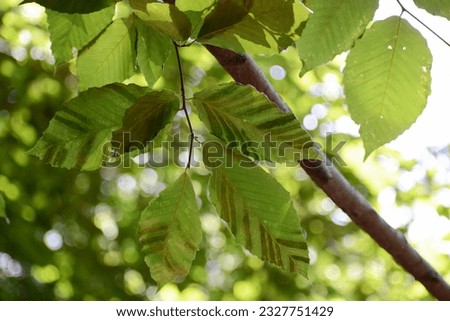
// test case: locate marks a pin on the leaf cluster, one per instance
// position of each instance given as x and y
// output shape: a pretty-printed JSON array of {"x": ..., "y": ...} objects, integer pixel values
[
  {"x": 108, "y": 120},
  {"x": 386, "y": 78}
]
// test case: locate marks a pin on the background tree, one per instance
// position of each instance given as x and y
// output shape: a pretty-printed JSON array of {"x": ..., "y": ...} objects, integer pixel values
[{"x": 73, "y": 235}]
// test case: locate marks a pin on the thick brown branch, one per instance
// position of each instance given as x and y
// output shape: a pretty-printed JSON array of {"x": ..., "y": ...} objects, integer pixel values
[
  {"x": 245, "y": 71},
  {"x": 363, "y": 215}
]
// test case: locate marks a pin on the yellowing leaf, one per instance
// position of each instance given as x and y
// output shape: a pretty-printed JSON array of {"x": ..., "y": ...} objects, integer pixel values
[
  {"x": 79, "y": 135},
  {"x": 242, "y": 116},
  {"x": 259, "y": 213},
  {"x": 170, "y": 231}
]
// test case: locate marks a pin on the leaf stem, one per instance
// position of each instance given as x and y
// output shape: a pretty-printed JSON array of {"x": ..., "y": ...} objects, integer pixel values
[
  {"x": 183, "y": 104},
  {"x": 422, "y": 23}
]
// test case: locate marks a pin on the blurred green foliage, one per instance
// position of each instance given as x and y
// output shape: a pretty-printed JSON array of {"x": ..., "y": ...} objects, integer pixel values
[{"x": 71, "y": 235}]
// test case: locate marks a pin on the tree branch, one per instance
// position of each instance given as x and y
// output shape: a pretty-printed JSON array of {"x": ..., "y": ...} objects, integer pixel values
[{"x": 245, "y": 71}]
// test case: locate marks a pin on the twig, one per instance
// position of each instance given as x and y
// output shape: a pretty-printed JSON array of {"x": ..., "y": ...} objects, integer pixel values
[
  {"x": 422, "y": 23},
  {"x": 183, "y": 103}
]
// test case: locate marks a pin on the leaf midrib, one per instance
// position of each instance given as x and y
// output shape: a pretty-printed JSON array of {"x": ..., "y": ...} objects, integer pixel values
[
  {"x": 389, "y": 74},
  {"x": 119, "y": 44},
  {"x": 251, "y": 211},
  {"x": 174, "y": 215}
]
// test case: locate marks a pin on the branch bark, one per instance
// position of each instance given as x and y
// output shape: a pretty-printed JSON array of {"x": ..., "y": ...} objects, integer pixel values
[{"x": 245, "y": 71}]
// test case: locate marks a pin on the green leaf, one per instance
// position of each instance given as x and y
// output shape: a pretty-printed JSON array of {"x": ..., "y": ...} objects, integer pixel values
[
  {"x": 240, "y": 115},
  {"x": 2, "y": 207},
  {"x": 140, "y": 6},
  {"x": 74, "y": 6},
  {"x": 259, "y": 213},
  {"x": 170, "y": 231},
  {"x": 194, "y": 6},
  {"x": 77, "y": 135},
  {"x": 168, "y": 20},
  {"x": 145, "y": 119},
  {"x": 435, "y": 7},
  {"x": 68, "y": 31},
  {"x": 225, "y": 15},
  {"x": 196, "y": 11},
  {"x": 387, "y": 81},
  {"x": 333, "y": 28},
  {"x": 110, "y": 59},
  {"x": 254, "y": 27},
  {"x": 153, "y": 49}
]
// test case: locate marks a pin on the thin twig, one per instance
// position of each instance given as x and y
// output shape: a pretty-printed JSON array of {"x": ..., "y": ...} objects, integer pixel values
[
  {"x": 422, "y": 23},
  {"x": 184, "y": 107}
]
